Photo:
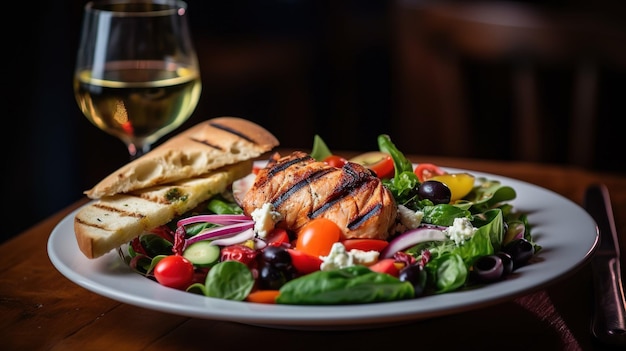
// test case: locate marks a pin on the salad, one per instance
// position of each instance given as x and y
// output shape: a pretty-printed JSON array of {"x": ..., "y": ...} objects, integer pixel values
[{"x": 454, "y": 231}]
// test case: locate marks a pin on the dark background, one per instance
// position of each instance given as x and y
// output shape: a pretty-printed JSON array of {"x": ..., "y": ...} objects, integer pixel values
[{"x": 298, "y": 68}]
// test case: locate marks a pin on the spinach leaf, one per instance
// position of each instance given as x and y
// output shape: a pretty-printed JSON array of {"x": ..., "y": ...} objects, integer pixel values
[
  {"x": 219, "y": 205},
  {"x": 489, "y": 193},
  {"x": 447, "y": 272},
  {"x": 444, "y": 214},
  {"x": 349, "y": 285},
  {"x": 485, "y": 241},
  {"x": 492, "y": 224},
  {"x": 400, "y": 162},
  {"x": 155, "y": 245},
  {"x": 230, "y": 280},
  {"x": 196, "y": 228},
  {"x": 478, "y": 245},
  {"x": 404, "y": 184}
]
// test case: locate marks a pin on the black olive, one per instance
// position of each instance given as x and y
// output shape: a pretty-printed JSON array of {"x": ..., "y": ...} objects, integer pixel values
[
  {"x": 416, "y": 275},
  {"x": 272, "y": 277},
  {"x": 507, "y": 262},
  {"x": 435, "y": 191},
  {"x": 520, "y": 250},
  {"x": 488, "y": 268},
  {"x": 278, "y": 256}
]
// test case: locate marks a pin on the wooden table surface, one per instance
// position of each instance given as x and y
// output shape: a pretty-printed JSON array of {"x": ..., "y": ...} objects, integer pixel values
[{"x": 43, "y": 310}]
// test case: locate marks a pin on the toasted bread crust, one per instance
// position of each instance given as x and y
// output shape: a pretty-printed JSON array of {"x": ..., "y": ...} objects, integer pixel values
[
  {"x": 107, "y": 223},
  {"x": 198, "y": 150}
]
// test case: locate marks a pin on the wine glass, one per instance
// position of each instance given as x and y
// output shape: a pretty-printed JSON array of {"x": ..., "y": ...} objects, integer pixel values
[{"x": 137, "y": 75}]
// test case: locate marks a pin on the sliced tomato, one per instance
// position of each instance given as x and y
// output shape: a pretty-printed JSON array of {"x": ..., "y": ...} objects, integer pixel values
[
  {"x": 277, "y": 237},
  {"x": 365, "y": 244},
  {"x": 425, "y": 171},
  {"x": 335, "y": 161},
  {"x": 386, "y": 265},
  {"x": 379, "y": 162},
  {"x": 303, "y": 262}
]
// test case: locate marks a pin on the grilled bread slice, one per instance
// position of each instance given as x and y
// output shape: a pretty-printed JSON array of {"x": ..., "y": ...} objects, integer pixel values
[
  {"x": 196, "y": 151},
  {"x": 105, "y": 224}
]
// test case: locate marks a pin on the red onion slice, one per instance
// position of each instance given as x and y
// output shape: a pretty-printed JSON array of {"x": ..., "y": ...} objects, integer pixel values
[
  {"x": 412, "y": 237},
  {"x": 223, "y": 219},
  {"x": 238, "y": 238},
  {"x": 219, "y": 232}
]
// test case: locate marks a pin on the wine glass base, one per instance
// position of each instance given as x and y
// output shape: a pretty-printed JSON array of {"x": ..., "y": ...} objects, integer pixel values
[{"x": 136, "y": 152}]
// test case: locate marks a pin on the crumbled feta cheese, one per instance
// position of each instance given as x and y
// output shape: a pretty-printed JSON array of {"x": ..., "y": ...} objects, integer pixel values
[
  {"x": 340, "y": 258},
  {"x": 265, "y": 219},
  {"x": 365, "y": 258},
  {"x": 409, "y": 218},
  {"x": 460, "y": 231}
]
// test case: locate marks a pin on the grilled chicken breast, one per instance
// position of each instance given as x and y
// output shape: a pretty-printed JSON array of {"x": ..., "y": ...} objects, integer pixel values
[{"x": 301, "y": 189}]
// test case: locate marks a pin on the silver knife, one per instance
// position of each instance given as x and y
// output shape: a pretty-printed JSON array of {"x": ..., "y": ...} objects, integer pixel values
[{"x": 609, "y": 316}]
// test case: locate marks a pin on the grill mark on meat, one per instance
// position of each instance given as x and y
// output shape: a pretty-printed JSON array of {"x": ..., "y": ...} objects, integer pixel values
[
  {"x": 284, "y": 196},
  {"x": 352, "y": 182},
  {"x": 302, "y": 189},
  {"x": 232, "y": 131},
  {"x": 275, "y": 167},
  {"x": 281, "y": 167},
  {"x": 359, "y": 220}
]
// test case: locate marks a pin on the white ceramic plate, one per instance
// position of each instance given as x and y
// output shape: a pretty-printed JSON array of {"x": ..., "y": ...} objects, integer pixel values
[{"x": 566, "y": 232}]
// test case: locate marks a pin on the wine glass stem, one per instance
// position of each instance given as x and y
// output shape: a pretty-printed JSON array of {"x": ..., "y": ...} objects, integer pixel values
[{"x": 137, "y": 151}]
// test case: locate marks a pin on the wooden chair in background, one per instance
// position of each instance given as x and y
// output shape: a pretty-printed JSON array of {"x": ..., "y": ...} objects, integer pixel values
[{"x": 501, "y": 80}]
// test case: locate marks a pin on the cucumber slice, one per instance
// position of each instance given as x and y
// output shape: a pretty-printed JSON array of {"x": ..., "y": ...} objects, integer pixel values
[{"x": 202, "y": 253}]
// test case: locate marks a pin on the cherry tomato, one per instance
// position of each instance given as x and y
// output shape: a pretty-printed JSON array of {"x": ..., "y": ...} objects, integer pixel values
[
  {"x": 317, "y": 237},
  {"x": 365, "y": 244},
  {"x": 335, "y": 161},
  {"x": 174, "y": 271},
  {"x": 460, "y": 184},
  {"x": 379, "y": 162},
  {"x": 425, "y": 171}
]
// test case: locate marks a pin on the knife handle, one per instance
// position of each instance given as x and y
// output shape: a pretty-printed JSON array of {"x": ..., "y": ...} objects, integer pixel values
[{"x": 609, "y": 319}]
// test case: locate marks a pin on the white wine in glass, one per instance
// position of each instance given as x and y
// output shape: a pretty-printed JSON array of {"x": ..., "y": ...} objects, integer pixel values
[{"x": 137, "y": 75}]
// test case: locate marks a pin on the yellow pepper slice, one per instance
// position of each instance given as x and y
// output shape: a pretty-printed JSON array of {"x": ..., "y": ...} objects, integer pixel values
[{"x": 460, "y": 184}]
